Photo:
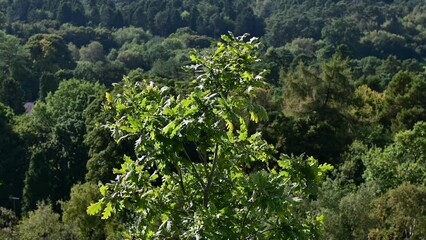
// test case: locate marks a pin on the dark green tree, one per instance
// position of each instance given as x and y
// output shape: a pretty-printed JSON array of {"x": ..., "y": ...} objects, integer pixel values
[
  {"x": 247, "y": 22},
  {"x": 12, "y": 161},
  {"x": 318, "y": 102},
  {"x": 104, "y": 153},
  {"x": 12, "y": 94},
  {"x": 49, "y": 53},
  {"x": 404, "y": 101},
  {"x": 58, "y": 156}
]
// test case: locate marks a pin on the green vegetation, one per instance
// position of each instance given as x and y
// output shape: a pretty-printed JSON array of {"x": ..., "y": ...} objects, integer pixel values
[
  {"x": 207, "y": 135},
  {"x": 199, "y": 172}
]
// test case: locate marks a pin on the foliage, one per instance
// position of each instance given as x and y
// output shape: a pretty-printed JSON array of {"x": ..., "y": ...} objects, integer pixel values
[
  {"x": 104, "y": 73},
  {"x": 367, "y": 111},
  {"x": 8, "y": 220},
  {"x": 354, "y": 102},
  {"x": 199, "y": 172},
  {"x": 49, "y": 52},
  {"x": 401, "y": 161},
  {"x": 58, "y": 156},
  {"x": 398, "y": 213},
  {"x": 43, "y": 223},
  {"x": 404, "y": 101},
  {"x": 74, "y": 212},
  {"x": 307, "y": 91},
  {"x": 104, "y": 153},
  {"x": 318, "y": 103},
  {"x": 93, "y": 52},
  {"x": 12, "y": 159},
  {"x": 346, "y": 210},
  {"x": 14, "y": 68}
]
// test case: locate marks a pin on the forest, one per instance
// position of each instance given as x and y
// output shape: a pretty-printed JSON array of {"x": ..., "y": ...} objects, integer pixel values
[{"x": 212, "y": 119}]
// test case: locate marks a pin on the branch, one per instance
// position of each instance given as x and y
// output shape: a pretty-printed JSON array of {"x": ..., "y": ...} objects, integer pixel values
[
  {"x": 211, "y": 175},
  {"x": 181, "y": 180},
  {"x": 203, "y": 157},
  {"x": 197, "y": 175},
  {"x": 245, "y": 219}
]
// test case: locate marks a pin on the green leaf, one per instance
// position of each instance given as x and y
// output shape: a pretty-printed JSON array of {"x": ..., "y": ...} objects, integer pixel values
[
  {"x": 169, "y": 127},
  {"x": 94, "y": 208},
  {"x": 103, "y": 189},
  {"x": 325, "y": 167},
  {"x": 108, "y": 97},
  {"x": 229, "y": 125},
  {"x": 107, "y": 211},
  {"x": 254, "y": 117}
]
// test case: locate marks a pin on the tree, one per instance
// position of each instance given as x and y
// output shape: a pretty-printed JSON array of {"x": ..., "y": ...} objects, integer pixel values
[
  {"x": 104, "y": 73},
  {"x": 65, "y": 13},
  {"x": 12, "y": 95},
  {"x": 12, "y": 160},
  {"x": 247, "y": 22},
  {"x": 404, "y": 101},
  {"x": 71, "y": 12},
  {"x": 383, "y": 43},
  {"x": 8, "y": 220},
  {"x": 367, "y": 109},
  {"x": 346, "y": 210},
  {"x": 58, "y": 156},
  {"x": 199, "y": 172},
  {"x": 48, "y": 84},
  {"x": 16, "y": 70},
  {"x": 342, "y": 31},
  {"x": 104, "y": 153},
  {"x": 399, "y": 214},
  {"x": 399, "y": 162},
  {"x": 93, "y": 52},
  {"x": 318, "y": 103},
  {"x": 74, "y": 212},
  {"x": 49, "y": 53},
  {"x": 43, "y": 223}
]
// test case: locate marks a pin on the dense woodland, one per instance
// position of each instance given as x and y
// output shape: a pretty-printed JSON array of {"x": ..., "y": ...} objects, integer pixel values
[{"x": 316, "y": 129}]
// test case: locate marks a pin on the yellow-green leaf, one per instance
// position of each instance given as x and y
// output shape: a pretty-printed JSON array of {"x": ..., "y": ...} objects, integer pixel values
[
  {"x": 254, "y": 117},
  {"x": 108, "y": 97},
  {"x": 94, "y": 208},
  {"x": 103, "y": 189},
  {"x": 229, "y": 125},
  {"x": 107, "y": 211}
]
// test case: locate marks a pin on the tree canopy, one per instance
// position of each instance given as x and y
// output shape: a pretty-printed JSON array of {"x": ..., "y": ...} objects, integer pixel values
[{"x": 199, "y": 171}]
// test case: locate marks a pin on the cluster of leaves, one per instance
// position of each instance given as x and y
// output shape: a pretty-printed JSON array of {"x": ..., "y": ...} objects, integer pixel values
[{"x": 199, "y": 171}]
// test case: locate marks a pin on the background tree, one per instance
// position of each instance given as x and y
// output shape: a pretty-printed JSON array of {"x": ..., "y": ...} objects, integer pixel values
[
  {"x": 44, "y": 223},
  {"x": 401, "y": 161},
  {"x": 398, "y": 214},
  {"x": 12, "y": 160},
  {"x": 49, "y": 53},
  {"x": 104, "y": 153},
  {"x": 404, "y": 101},
  {"x": 58, "y": 157},
  {"x": 8, "y": 221},
  {"x": 93, "y": 52},
  {"x": 319, "y": 103},
  {"x": 74, "y": 212},
  {"x": 12, "y": 94}
]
